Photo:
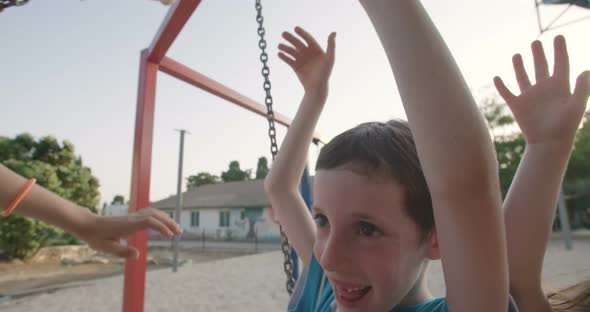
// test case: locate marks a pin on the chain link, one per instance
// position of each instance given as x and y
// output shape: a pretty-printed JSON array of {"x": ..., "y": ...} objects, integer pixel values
[
  {"x": 288, "y": 262},
  {"x": 9, "y": 3}
]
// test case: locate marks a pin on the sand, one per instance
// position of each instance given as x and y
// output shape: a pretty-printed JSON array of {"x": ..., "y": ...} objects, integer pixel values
[{"x": 248, "y": 283}]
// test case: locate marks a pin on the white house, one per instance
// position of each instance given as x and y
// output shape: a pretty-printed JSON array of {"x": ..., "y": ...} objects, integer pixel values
[
  {"x": 116, "y": 210},
  {"x": 234, "y": 210}
]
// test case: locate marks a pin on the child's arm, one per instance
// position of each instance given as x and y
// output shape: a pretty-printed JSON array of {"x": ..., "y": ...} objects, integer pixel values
[
  {"x": 548, "y": 115},
  {"x": 456, "y": 154},
  {"x": 101, "y": 233},
  {"x": 313, "y": 67}
]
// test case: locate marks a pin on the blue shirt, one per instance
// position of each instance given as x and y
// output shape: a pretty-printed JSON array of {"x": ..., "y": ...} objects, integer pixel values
[{"x": 313, "y": 293}]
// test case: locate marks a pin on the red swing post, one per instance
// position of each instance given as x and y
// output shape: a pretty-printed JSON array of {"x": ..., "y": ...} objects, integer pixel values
[{"x": 154, "y": 59}]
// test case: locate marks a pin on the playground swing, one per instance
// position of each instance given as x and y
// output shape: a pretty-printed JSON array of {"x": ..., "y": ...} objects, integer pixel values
[
  {"x": 289, "y": 261},
  {"x": 135, "y": 272},
  {"x": 585, "y": 4},
  {"x": 290, "y": 264}
]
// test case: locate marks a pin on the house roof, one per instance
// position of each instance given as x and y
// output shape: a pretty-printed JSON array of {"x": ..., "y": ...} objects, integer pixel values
[
  {"x": 240, "y": 194},
  {"x": 224, "y": 195}
]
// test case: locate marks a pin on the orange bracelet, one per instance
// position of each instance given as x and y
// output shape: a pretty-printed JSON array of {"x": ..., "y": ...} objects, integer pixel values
[{"x": 19, "y": 197}]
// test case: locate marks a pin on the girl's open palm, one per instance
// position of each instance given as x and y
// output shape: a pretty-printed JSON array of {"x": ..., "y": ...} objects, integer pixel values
[{"x": 547, "y": 112}]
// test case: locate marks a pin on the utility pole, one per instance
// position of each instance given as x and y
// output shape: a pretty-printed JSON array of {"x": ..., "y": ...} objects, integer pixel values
[{"x": 178, "y": 212}]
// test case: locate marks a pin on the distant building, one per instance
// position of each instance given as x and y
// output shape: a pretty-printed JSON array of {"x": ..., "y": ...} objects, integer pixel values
[
  {"x": 116, "y": 210},
  {"x": 234, "y": 210},
  {"x": 231, "y": 211}
]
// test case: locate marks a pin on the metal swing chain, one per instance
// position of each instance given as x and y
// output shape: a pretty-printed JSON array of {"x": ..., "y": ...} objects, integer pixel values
[
  {"x": 9, "y": 3},
  {"x": 288, "y": 263}
]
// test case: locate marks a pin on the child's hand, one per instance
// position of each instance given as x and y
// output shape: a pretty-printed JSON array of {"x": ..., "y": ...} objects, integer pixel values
[
  {"x": 104, "y": 233},
  {"x": 547, "y": 112},
  {"x": 312, "y": 65}
]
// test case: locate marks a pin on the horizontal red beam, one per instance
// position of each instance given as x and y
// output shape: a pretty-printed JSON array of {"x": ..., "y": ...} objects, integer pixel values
[
  {"x": 177, "y": 17},
  {"x": 190, "y": 76}
]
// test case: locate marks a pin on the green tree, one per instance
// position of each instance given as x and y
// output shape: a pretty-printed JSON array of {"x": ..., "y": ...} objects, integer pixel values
[
  {"x": 509, "y": 151},
  {"x": 576, "y": 183},
  {"x": 234, "y": 173},
  {"x": 253, "y": 215},
  {"x": 202, "y": 178},
  {"x": 508, "y": 141},
  {"x": 118, "y": 200},
  {"x": 262, "y": 168},
  {"x": 579, "y": 166},
  {"x": 56, "y": 168},
  {"x": 510, "y": 145}
]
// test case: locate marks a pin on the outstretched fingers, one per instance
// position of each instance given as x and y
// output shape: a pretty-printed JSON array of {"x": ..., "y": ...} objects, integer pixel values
[
  {"x": 505, "y": 93},
  {"x": 292, "y": 52},
  {"x": 521, "y": 75},
  {"x": 148, "y": 218},
  {"x": 309, "y": 40},
  {"x": 331, "y": 50},
  {"x": 582, "y": 90},
  {"x": 156, "y": 224},
  {"x": 561, "y": 66},
  {"x": 298, "y": 44},
  {"x": 116, "y": 248},
  {"x": 540, "y": 60},
  {"x": 291, "y": 62}
]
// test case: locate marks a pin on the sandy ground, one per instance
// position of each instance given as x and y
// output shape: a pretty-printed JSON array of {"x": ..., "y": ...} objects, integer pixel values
[{"x": 247, "y": 283}]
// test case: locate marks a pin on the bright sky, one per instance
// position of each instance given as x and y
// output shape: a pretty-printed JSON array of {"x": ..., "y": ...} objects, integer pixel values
[{"x": 69, "y": 69}]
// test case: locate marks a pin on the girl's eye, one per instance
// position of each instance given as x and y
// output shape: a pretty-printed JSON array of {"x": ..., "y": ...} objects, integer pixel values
[
  {"x": 369, "y": 230},
  {"x": 320, "y": 220}
]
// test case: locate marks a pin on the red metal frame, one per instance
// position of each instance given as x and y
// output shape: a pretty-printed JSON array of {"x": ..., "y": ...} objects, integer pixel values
[
  {"x": 152, "y": 59},
  {"x": 177, "y": 17},
  {"x": 133, "y": 295},
  {"x": 201, "y": 81}
]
